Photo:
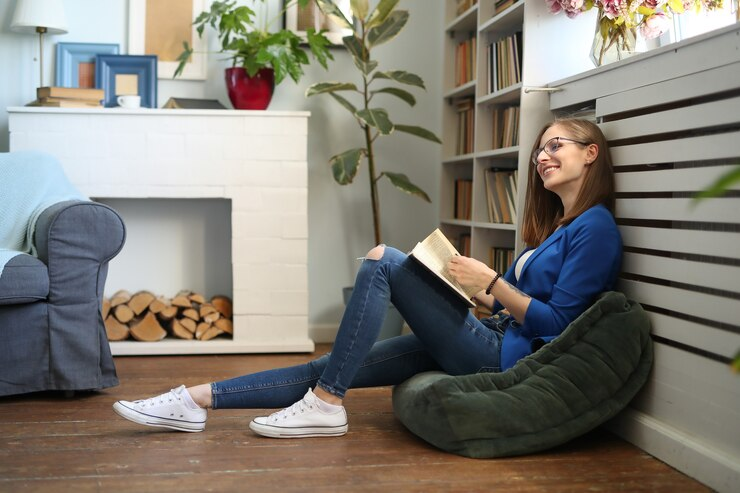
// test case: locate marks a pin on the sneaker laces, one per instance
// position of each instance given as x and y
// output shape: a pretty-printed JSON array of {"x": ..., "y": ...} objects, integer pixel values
[
  {"x": 299, "y": 407},
  {"x": 160, "y": 399}
]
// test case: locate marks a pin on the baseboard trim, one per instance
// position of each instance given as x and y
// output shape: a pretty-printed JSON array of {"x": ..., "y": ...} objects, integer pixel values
[{"x": 715, "y": 468}]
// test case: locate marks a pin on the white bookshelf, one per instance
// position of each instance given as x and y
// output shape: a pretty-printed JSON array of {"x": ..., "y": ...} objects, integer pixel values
[{"x": 542, "y": 61}]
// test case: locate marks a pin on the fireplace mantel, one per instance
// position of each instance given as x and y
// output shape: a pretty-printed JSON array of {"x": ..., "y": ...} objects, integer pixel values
[{"x": 255, "y": 159}]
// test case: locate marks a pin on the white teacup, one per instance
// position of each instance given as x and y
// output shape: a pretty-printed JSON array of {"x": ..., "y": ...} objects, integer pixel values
[{"x": 129, "y": 101}]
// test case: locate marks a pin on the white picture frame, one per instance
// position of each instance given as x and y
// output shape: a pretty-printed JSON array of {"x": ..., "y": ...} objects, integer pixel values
[{"x": 195, "y": 69}]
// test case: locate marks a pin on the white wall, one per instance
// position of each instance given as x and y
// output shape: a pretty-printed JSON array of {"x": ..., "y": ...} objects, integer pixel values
[{"x": 340, "y": 224}]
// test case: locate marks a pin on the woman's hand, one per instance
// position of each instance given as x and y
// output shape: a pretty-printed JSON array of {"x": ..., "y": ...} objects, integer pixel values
[{"x": 470, "y": 272}]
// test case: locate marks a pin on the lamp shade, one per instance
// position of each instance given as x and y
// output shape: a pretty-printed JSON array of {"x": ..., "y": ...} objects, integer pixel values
[{"x": 30, "y": 14}]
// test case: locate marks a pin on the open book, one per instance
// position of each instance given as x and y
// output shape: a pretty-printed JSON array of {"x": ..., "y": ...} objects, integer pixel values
[{"x": 434, "y": 253}]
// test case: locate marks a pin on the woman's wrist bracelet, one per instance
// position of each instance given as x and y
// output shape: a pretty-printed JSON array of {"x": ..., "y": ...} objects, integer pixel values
[{"x": 490, "y": 286}]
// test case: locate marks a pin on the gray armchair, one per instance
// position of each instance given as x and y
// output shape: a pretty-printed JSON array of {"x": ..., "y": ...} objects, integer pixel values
[{"x": 53, "y": 337}]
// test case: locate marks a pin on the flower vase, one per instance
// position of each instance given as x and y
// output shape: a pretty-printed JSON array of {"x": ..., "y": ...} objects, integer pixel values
[{"x": 612, "y": 44}]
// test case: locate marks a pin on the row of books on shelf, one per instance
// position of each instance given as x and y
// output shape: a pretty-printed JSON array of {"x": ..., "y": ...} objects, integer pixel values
[
  {"x": 68, "y": 97},
  {"x": 463, "y": 199},
  {"x": 504, "y": 59},
  {"x": 465, "y": 61},
  {"x": 464, "y": 5},
  {"x": 505, "y": 127},
  {"x": 502, "y": 5},
  {"x": 500, "y": 259},
  {"x": 501, "y": 190},
  {"x": 463, "y": 244},
  {"x": 465, "y": 126}
]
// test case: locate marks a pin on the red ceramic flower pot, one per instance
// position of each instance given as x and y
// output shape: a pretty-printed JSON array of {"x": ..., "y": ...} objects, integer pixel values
[{"x": 250, "y": 93}]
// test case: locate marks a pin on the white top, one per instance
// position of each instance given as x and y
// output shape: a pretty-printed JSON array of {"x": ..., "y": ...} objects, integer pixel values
[{"x": 520, "y": 263}]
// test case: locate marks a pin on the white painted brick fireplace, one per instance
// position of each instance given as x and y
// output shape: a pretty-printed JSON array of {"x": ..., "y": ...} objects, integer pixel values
[{"x": 255, "y": 159}]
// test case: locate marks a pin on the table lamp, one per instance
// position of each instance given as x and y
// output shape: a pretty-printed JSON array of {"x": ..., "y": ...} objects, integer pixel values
[{"x": 39, "y": 16}]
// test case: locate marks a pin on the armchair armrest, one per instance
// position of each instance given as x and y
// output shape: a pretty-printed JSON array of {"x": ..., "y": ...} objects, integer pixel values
[
  {"x": 66, "y": 226},
  {"x": 76, "y": 239}
]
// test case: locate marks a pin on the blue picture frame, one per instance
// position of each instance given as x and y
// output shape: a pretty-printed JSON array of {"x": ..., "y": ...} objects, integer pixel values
[
  {"x": 144, "y": 67},
  {"x": 70, "y": 55}
]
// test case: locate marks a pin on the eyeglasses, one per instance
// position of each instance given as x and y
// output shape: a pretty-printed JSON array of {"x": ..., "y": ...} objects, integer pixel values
[{"x": 552, "y": 146}]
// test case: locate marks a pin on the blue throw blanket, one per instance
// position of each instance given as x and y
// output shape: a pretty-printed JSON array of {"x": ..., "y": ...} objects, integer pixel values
[{"x": 30, "y": 182}]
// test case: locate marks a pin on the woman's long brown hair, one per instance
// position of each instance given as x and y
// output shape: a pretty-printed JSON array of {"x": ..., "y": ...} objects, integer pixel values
[{"x": 543, "y": 210}]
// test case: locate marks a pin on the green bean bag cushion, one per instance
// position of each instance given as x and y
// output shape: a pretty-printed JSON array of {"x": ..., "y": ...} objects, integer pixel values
[{"x": 566, "y": 388}]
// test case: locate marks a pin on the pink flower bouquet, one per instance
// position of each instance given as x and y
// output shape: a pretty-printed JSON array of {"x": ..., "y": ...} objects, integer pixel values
[{"x": 618, "y": 20}]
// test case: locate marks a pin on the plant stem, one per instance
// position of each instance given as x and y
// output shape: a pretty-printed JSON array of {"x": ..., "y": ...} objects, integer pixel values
[
  {"x": 369, "y": 146},
  {"x": 371, "y": 173},
  {"x": 373, "y": 185}
]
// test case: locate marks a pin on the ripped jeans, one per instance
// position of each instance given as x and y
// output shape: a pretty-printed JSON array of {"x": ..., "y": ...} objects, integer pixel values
[{"x": 446, "y": 337}]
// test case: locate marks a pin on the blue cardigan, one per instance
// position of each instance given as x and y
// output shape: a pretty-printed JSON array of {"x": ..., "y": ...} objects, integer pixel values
[{"x": 563, "y": 276}]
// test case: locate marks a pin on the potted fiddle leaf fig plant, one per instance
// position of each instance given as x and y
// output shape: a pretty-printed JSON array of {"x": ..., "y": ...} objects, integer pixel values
[
  {"x": 370, "y": 29},
  {"x": 260, "y": 58}
]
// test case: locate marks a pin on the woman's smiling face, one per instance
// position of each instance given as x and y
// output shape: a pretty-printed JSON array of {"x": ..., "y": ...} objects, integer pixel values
[{"x": 564, "y": 164}]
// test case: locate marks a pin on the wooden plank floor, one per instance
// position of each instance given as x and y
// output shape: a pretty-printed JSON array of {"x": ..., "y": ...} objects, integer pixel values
[{"x": 49, "y": 443}]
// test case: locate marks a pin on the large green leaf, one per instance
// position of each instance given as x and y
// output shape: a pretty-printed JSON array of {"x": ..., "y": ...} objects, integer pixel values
[
  {"x": 721, "y": 185},
  {"x": 359, "y": 8},
  {"x": 381, "y": 12},
  {"x": 419, "y": 132},
  {"x": 401, "y": 76},
  {"x": 323, "y": 87},
  {"x": 319, "y": 46},
  {"x": 403, "y": 183},
  {"x": 330, "y": 9},
  {"x": 344, "y": 166},
  {"x": 183, "y": 59},
  {"x": 355, "y": 47},
  {"x": 388, "y": 29},
  {"x": 349, "y": 106},
  {"x": 365, "y": 67},
  {"x": 378, "y": 118},
  {"x": 399, "y": 93}
]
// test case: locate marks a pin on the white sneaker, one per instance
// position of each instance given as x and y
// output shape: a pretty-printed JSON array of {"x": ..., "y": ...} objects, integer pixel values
[
  {"x": 302, "y": 420},
  {"x": 166, "y": 411}
]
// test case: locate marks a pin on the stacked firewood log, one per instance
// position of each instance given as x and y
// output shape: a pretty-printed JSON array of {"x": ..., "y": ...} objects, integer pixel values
[{"x": 146, "y": 317}]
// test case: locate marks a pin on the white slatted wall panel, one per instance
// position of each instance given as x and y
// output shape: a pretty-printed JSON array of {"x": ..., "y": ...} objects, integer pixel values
[{"x": 671, "y": 137}]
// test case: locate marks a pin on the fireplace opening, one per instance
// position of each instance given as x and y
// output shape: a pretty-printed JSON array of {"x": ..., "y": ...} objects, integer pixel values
[{"x": 174, "y": 247}]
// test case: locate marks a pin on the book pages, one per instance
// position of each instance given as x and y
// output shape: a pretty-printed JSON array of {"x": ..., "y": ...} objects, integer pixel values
[{"x": 435, "y": 252}]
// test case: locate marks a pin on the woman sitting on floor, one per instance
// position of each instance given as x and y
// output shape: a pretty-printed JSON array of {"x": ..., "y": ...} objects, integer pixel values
[{"x": 573, "y": 254}]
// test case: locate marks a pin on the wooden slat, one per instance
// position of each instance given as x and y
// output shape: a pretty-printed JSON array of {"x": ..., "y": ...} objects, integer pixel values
[
  {"x": 694, "y": 393},
  {"x": 672, "y": 180},
  {"x": 708, "y": 147},
  {"x": 721, "y": 210},
  {"x": 722, "y": 310},
  {"x": 690, "y": 86},
  {"x": 694, "y": 55},
  {"x": 714, "y": 243},
  {"x": 712, "y": 382},
  {"x": 699, "y": 116},
  {"x": 710, "y": 339},
  {"x": 724, "y": 277}
]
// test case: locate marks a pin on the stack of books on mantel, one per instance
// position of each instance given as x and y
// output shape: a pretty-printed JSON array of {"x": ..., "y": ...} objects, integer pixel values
[{"x": 68, "y": 97}]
